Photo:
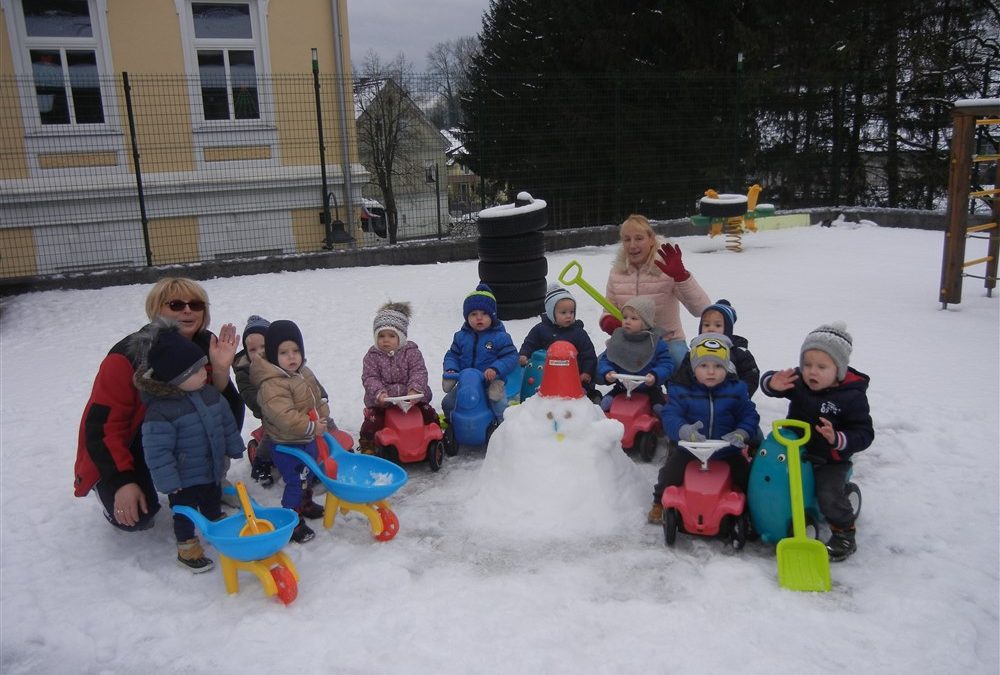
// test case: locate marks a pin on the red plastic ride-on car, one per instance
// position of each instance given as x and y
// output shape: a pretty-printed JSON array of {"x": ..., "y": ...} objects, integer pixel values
[
  {"x": 634, "y": 410},
  {"x": 406, "y": 438},
  {"x": 707, "y": 503}
]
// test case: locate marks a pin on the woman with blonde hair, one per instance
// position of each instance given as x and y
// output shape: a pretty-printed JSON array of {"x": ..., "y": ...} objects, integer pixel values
[
  {"x": 109, "y": 457},
  {"x": 648, "y": 265}
]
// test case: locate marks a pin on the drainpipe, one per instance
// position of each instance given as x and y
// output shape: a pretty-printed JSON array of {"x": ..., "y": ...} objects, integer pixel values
[{"x": 343, "y": 79}]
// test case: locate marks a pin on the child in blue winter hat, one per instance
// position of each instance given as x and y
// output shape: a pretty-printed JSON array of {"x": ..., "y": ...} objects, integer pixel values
[{"x": 484, "y": 344}]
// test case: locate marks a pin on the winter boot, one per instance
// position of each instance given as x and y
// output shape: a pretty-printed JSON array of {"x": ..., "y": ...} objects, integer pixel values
[
  {"x": 655, "y": 516},
  {"x": 302, "y": 532},
  {"x": 367, "y": 447},
  {"x": 191, "y": 556},
  {"x": 841, "y": 544},
  {"x": 308, "y": 508},
  {"x": 262, "y": 473}
]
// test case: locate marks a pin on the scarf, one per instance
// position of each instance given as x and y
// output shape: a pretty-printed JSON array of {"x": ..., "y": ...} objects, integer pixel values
[{"x": 632, "y": 352}]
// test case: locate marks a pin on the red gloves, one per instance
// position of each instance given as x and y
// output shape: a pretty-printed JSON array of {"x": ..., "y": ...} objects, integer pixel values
[
  {"x": 609, "y": 323},
  {"x": 671, "y": 263}
]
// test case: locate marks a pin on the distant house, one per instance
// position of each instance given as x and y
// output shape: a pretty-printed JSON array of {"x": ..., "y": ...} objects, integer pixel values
[
  {"x": 462, "y": 182},
  {"x": 403, "y": 151},
  {"x": 228, "y": 151}
]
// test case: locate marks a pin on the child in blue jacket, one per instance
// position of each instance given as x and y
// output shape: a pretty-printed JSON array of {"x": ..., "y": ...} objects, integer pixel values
[
  {"x": 484, "y": 344},
  {"x": 559, "y": 322},
  {"x": 706, "y": 402},
  {"x": 637, "y": 347},
  {"x": 187, "y": 433},
  {"x": 833, "y": 398}
]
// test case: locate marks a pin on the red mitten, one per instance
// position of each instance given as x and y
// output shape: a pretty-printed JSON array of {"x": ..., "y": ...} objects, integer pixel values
[
  {"x": 609, "y": 324},
  {"x": 670, "y": 263}
]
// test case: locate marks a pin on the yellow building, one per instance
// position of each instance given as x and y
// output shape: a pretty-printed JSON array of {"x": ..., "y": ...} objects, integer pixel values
[{"x": 142, "y": 132}]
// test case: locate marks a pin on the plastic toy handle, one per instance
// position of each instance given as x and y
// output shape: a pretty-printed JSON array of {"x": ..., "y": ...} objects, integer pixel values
[
  {"x": 241, "y": 490},
  {"x": 797, "y": 424},
  {"x": 577, "y": 270},
  {"x": 323, "y": 457}
]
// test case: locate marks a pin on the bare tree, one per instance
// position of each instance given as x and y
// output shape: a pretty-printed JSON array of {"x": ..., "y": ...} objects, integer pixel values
[
  {"x": 449, "y": 63},
  {"x": 386, "y": 125}
]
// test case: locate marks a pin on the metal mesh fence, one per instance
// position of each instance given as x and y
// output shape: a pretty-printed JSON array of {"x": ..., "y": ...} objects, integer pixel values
[{"x": 161, "y": 169}]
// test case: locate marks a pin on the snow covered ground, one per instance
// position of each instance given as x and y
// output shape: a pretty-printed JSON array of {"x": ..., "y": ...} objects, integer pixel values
[{"x": 468, "y": 586}]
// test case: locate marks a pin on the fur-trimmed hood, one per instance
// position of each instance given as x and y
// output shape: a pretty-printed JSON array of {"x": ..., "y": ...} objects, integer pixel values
[{"x": 150, "y": 388}]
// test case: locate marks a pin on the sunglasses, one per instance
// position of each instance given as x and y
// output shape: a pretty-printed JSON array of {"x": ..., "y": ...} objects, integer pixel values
[{"x": 179, "y": 305}]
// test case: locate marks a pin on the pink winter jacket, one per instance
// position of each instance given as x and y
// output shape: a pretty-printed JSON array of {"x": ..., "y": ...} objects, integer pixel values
[
  {"x": 626, "y": 282},
  {"x": 394, "y": 374}
]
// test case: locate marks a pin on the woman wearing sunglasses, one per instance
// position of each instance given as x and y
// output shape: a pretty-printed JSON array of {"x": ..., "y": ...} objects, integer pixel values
[{"x": 109, "y": 457}]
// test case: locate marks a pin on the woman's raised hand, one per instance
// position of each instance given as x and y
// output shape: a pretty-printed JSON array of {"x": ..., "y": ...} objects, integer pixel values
[
  {"x": 670, "y": 262},
  {"x": 222, "y": 349}
]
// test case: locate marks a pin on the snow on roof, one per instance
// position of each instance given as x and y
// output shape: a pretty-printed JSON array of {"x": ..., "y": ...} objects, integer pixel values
[
  {"x": 976, "y": 102},
  {"x": 455, "y": 144},
  {"x": 365, "y": 91}
]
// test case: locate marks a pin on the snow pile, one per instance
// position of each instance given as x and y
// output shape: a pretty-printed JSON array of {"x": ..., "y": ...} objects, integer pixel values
[{"x": 555, "y": 469}]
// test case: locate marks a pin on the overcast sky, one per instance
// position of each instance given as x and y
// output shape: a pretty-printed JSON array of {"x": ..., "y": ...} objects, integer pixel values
[{"x": 410, "y": 26}]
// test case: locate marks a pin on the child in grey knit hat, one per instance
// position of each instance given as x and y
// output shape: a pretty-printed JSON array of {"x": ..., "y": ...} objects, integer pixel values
[{"x": 832, "y": 397}]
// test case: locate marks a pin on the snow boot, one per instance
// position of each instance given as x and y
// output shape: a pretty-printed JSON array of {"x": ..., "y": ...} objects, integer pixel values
[
  {"x": 302, "y": 532},
  {"x": 367, "y": 447},
  {"x": 308, "y": 508},
  {"x": 655, "y": 516},
  {"x": 262, "y": 473},
  {"x": 841, "y": 544},
  {"x": 191, "y": 556}
]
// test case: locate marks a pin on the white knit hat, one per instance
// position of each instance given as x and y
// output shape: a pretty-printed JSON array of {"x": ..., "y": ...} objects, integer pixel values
[
  {"x": 552, "y": 297},
  {"x": 394, "y": 316},
  {"x": 832, "y": 339}
]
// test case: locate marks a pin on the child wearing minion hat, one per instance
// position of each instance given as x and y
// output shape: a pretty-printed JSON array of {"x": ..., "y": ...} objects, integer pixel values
[
  {"x": 716, "y": 406},
  {"x": 833, "y": 397}
]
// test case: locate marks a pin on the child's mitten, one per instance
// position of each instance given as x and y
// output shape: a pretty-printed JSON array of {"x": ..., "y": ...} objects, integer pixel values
[
  {"x": 737, "y": 438},
  {"x": 495, "y": 391},
  {"x": 689, "y": 432}
]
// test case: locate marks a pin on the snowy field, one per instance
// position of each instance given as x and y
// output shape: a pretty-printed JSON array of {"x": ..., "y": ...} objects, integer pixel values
[{"x": 576, "y": 583}]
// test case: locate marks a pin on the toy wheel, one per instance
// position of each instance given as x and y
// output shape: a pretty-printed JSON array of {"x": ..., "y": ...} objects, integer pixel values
[
  {"x": 390, "y": 524},
  {"x": 288, "y": 588},
  {"x": 669, "y": 526},
  {"x": 646, "y": 444},
  {"x": 435, "y": 455},
  {"x": 450, "y": 444},
  {"x": 853, "y": 494},
  {"x": 740, "y": 530},
  {"x": 388, "y": 452},
  {"x": 252, "y": 449},
  {"x": 490, "y": 429}
]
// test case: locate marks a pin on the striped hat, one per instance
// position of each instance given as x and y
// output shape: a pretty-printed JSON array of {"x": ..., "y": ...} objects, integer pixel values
[
  {"x": 834, "y": 340},
  {"x": 552, "y": 297},
  {"x": 728, "y": 315},
  {"x": 482, "y": 299},
  {"x": 394, "y": 316}
]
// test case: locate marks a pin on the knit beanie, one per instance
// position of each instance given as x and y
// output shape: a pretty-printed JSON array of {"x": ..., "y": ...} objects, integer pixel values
[
  {"x": 394, "y": 316},
  {"x": 255, "y": 324},
  {"x": 278, "y": 332},
  {"x": 645, "y": 307},
  {"x": 709, "y": 347},
  {"x": 554, "y": 294},
  {"x": 172, "y": 357},
  {"x": 833, "y": 339},
  {"x": 482, "y": 299},
  {"x": 728, "y": 315}
]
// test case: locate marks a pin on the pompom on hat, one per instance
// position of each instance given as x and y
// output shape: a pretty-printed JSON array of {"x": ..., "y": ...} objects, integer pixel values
[
  {"x": 645, "y": 307},
  {"x": 834, "y": 340},
  {"x": 255, "y": 324},
  {"x": 554, "y": 294},
  {"x": 728, "y": 315},
  {"x": 278, "y": 332},
  {"x": 709, "y": 347},
  {"x": 482, "y": 299},
  {"x": 394, "y": 316}
]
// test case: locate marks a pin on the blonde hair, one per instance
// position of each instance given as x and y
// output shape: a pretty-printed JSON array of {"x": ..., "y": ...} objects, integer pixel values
[
  {"x": 176, "y": 288},
  {"x": 637, "y": 223}
]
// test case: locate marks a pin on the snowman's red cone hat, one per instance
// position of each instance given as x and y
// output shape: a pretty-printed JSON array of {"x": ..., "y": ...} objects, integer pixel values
[{"x": 561, "y": 373}]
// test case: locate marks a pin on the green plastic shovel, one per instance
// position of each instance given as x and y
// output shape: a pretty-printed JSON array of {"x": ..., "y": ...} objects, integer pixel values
[{"x": 803, "y": 563}]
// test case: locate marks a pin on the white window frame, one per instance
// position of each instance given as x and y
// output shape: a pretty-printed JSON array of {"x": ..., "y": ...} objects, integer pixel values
[
  {"x": 41, "y": 138},
  {"x": 214, "y": 133}
]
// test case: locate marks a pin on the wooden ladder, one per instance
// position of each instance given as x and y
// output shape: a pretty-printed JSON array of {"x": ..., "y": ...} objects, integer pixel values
[{"x": 967, "y": 117}]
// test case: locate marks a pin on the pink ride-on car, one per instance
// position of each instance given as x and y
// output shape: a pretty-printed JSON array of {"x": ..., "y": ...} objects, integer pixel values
[
  {"x": 406, "y": 438},
  {"x": 635, "y": 412},
  {"x": 707, "y": 504}
]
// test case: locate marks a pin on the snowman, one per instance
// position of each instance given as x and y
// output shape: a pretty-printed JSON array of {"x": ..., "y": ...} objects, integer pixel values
[{"x": 555, "y": 467}]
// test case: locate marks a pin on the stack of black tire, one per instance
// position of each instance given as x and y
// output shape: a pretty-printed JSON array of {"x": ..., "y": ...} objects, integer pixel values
[{"x": 512, "y": 256}]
